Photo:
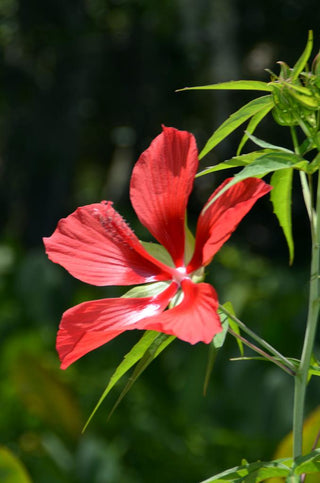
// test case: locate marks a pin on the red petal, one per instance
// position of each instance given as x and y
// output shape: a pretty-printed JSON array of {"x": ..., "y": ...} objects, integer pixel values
[
  {"x": 194, "y": 320},
  {"x": 161, "y": 183},
  {"x": 91, "y": 324},
  {"x": 96, "y": 246},
  {"x": 216, "y": 224}
]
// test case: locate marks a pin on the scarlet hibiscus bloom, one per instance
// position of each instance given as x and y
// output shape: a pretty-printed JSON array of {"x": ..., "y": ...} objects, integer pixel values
[{"x": 96, "y": 246}]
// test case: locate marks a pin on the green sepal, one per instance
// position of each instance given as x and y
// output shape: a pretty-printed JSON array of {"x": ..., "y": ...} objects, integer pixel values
[
  {"x": 189, "y": 244},
  {"x": 303, "y": 59},
  {"x": 146, "y": 290},
  {"x": 281, "y": 198},
  {"x": 235, "y": 120},
  {"x": 158, "y": 252}
]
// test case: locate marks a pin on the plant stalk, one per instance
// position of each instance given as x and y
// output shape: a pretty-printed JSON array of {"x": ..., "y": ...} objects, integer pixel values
[{"x": 301, "y": 377}]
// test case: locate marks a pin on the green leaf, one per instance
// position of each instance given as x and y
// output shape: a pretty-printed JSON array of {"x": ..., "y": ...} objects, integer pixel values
[
  {"x": 235, "y": 162},
  {"x": 314, "y": 165},
  {"x": 303, "y": 59},
  {"x": 130, "y": 359},
  {"x": 158, "y": 252},
  {"x": 11, "y": 468},
  {"x": 264, "y": 144},
  {"x": 157, "y": 346},
  {"x": 212, "y": 352},
  {"x": 233, "y": 324},
  {"x": 281, "y": 195},
  {"x": 254, "y": 121},
  {"x": 218, "y": 341},
  {"x": 243, "y": 85},
  {"x": 272, "y": 161},
  {"x": 235, "y": 120},
  {"x": 253, "y": 472},
  {"x": 309, "y": 463},
  {"x": 146, "y": 290}
]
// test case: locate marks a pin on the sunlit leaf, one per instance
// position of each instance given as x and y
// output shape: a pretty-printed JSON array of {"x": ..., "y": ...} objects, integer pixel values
[
  {"x": 281, "y": 195},
  {"x": 11, "y": 469},
  {"x": 303, "y": 59},
  {"x": 130, "y": 359},
  {"x": 219, "y": 340},
  {"x": 157, "y": 346},
  {"x": 309, "y": 463},
  {"x": 311, "y": 429},
  {"x": 253, "y": 472},
  {"x": 243, "y": 85},
  {"x": 263, "y": 165},
  {"x": 235, "y": 162},
  {"x": 254, "y": 122},
  {"x": 235, "y": 120}
]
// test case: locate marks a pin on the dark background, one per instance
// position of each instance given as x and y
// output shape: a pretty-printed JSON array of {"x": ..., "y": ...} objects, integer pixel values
[{"x": 84, "y": 88}]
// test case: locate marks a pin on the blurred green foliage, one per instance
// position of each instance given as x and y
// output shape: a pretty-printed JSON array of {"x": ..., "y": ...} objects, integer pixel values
[{"x": 85, "y": 86}]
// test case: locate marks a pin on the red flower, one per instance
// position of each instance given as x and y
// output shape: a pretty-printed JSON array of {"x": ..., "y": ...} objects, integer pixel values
[{"x": 96, "y": 246}]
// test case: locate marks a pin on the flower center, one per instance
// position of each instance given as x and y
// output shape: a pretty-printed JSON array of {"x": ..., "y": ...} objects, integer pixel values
[{"x": 180, "y": 273}]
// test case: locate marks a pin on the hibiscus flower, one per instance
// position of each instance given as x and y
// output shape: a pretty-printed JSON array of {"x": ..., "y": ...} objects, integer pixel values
[{"x": 96, "y": 246}]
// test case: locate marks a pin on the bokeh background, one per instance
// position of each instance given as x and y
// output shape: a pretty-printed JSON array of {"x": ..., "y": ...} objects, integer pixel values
[{"x": 84, "y": 87}]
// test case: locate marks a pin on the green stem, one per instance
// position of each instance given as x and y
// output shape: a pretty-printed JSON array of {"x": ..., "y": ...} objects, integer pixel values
[
  {"x": 301, "y": 378},
  {"x": 264, "y": 354},
  {"x": 258, "y": 339}
]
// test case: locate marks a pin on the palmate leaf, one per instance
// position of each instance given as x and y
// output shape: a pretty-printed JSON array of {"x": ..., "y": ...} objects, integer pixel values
[
  {"x": 151, "y": 340},
  {"x": 235, "y": 120},
  {"x": 281, "y": 195},
  {"x": 241, "y": 85}
]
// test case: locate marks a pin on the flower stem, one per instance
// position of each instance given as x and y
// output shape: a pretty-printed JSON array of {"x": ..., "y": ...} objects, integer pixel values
[{"x": 301, "y": 377}]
